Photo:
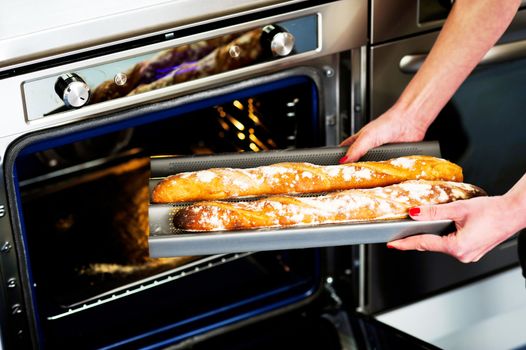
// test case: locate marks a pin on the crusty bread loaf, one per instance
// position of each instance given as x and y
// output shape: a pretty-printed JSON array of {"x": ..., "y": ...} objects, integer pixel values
[
  {"x": 380, "y": 203},
  {"x": 284, "y": 178}
]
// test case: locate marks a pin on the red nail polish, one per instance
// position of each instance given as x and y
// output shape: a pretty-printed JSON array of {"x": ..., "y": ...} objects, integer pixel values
[
  {"x": 414, "y": 211},
  {"x": 343, "y": 159},
  {"x": 390, "y": 246}
]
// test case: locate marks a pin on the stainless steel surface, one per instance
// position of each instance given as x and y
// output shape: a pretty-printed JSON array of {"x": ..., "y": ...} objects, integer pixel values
[
  {"x": 358, "y": 90},
  {"x": 394, "y": 19},
  {"x": 76, "y": 94},
  {"x": 342, "y": 24},
  {"x": 170, "y": 66},
  {"x": 71, "y": 89},
  {"x": 282, "y": 44},
  {"x": 120, "y": 79},
  {"x": 410, "y": 64},
  {"x": 387, "y": 79},
  {"x": 292, "y": 238},
  {"x": 30, "y": 31}
]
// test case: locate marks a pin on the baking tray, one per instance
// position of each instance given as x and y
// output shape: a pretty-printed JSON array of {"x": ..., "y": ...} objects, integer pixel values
[{"x": 167, "y": 241}]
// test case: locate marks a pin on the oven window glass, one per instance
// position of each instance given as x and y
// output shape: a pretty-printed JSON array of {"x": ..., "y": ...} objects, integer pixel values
[{"x": 84, "y": 211}]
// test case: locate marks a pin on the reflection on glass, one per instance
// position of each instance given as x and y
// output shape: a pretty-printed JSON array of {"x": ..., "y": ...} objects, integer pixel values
[{"x": 184, "y": 63}]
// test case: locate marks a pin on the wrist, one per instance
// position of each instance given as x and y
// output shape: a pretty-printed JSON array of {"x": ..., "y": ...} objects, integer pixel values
[{"x": 412, "y": 112}]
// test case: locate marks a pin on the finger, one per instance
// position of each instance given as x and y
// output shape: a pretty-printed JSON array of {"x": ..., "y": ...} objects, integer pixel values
[
  {"x": 449, "y": 211},
  {"x": 358, "y": 148},
  {"x": 350, "y": 140},
  {"x": 424, "y": 242}
]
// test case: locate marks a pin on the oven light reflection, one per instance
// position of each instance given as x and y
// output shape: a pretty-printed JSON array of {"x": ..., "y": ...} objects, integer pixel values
[
  {"x": 251, "y": 113},
  {"x": 272, "y": 143},
  {"x": 224, "y": 125},
  {"x": 241, "y": 120},
  {"x": 238, "y": 105},
  {"x": 236, "y": 123},
  {"x": 257, "y": 141},
  {"x": 221, "y": 112}
]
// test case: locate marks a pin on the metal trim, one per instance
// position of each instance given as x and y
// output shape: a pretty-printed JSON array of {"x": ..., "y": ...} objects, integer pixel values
[{"x": 124, "y": 27}]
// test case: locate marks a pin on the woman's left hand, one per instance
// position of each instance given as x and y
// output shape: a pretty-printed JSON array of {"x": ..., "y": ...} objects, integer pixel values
[{"x": 481, "y": 224}]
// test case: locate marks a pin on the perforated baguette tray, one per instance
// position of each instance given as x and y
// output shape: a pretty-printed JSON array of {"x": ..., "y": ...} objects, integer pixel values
[{"x": 167, "y": 241}]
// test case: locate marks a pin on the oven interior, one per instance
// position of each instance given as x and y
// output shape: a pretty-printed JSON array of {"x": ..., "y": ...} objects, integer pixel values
[{"x": 83, "y": 208}]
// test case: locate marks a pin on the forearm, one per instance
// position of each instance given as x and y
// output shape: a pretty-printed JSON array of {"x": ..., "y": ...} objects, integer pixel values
[{"x": 470, "y": 30}]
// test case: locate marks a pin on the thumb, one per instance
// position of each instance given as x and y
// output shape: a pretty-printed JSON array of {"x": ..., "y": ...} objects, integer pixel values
[{"x": 446, "y": 211}]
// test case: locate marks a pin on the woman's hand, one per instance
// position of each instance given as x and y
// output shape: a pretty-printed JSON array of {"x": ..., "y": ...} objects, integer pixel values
[
  {"x": 481, "y": 224},
  {"x": 470, "y": 30},
  {"x": 392, "y": 126}
]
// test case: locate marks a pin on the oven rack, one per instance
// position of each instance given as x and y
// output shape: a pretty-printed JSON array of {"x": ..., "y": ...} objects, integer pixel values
[
  {"x": 166, "y": 241},
  {"x": 143, "y": 285}
]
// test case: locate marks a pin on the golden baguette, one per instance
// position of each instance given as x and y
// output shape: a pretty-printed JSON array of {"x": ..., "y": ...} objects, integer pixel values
[
  {"x": 380, "y": 203},
  {"x": 281, "y": 178}
]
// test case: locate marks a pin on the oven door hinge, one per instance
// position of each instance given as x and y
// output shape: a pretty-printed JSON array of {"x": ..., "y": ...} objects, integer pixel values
[{"x": 339, "y": 318}]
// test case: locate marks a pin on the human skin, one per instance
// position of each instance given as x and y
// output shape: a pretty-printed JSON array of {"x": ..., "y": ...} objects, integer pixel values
[{"x": 481, "y": 224}]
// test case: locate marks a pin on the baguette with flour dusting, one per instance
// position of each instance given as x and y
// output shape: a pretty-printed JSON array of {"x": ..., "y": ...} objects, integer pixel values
[
  {"x": 292, "y": 178},
  {"x": 380, "y": 203}
]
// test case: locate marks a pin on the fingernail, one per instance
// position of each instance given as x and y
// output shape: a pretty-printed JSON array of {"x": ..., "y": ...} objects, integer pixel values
[
  {"x": 344, "y": 159},
  {"x": 390, "y": 246},
  {"x": 414, "y": 211}
]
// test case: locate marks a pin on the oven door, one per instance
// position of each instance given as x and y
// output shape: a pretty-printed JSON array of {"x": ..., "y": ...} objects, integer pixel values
[{"x": 79, "y": 200}]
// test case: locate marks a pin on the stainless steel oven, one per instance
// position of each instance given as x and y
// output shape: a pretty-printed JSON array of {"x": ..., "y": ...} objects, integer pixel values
[{"x": 81, "y": 120}]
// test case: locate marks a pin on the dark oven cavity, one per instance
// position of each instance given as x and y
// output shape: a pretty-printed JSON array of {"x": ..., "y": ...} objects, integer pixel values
[{"x": 84, "y": 208}]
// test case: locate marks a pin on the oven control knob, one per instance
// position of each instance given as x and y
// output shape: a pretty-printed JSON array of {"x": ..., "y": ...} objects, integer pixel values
[
  {"x": 277, "y": 41},
  {"x": 73, "y": 90}
]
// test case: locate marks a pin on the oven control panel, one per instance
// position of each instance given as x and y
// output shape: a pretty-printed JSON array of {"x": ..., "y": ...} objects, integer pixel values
[{"x": 169, "y": 66}]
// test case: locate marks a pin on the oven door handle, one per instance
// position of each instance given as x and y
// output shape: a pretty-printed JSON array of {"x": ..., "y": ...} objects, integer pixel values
[{"x": 409, "y": 64}]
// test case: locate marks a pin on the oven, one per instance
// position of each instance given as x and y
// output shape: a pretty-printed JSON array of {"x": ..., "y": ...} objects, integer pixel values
[
  {"x": 84, "y": 121},
  {"x": 79, "y": 125},
  {"x": 481, "y": 129}
]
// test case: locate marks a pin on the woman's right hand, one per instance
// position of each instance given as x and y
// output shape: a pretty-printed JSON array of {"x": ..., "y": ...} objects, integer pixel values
[{"x": 392, "y": 126}]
